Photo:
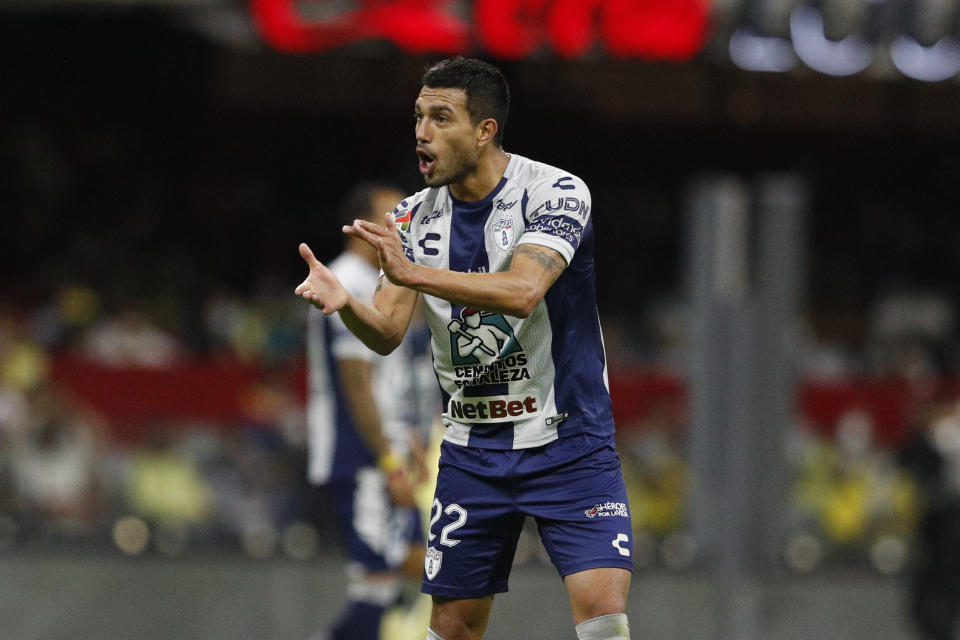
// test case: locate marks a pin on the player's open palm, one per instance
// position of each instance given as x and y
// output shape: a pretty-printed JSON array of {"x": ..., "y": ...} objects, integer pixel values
[{"x": 321, "y": 288}]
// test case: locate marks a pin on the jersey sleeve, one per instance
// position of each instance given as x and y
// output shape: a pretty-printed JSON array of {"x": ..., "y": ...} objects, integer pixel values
[
  {"x": 403, "y": 216},
  {"x": 343, "y": 344},
  {"x": 346, "y": 346},
  {"x": 557, "y": 213}
]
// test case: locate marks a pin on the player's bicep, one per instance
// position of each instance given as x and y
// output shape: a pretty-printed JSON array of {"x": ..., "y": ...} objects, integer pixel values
[
  {"x": 395, "y": 302},
  {"x": 537, "y": 265}
]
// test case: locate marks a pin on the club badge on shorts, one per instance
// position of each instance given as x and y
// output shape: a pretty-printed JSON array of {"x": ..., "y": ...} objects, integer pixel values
[{"x": 432, "y": 562}]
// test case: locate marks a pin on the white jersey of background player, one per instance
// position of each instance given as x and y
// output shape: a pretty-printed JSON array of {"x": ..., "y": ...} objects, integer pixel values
[{"x": 363, "y": 409}]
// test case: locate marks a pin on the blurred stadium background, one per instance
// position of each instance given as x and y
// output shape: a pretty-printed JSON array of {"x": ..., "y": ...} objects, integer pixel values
[{"x": 775, "y": 195}]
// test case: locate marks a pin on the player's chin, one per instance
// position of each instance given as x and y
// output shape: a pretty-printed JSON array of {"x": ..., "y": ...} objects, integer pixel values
[{"x": 435, "y": 178}]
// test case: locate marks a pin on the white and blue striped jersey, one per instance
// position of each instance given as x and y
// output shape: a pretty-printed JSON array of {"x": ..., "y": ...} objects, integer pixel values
[{"x": 508, "y": 382}]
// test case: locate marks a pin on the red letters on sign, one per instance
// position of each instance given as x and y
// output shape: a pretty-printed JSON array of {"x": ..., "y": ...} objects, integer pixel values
[
  {"x": 416, "y": 26},
  {"x": 512, "y": 29},
  {"x": 659, "y": 29}
]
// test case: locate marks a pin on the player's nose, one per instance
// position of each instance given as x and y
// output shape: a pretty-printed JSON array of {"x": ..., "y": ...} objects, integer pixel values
[{"x": 421, "y": 131}]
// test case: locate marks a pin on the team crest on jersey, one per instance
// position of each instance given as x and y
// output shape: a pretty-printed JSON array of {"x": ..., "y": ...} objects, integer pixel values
[
  {"x": 503, "y": 232},
  {"x": 432, "y": 562}
]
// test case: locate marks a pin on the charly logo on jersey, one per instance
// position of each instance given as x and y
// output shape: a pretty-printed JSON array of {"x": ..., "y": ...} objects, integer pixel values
[
  {"x": 502, "y": 231},
  {"x": 607, "y": 510},
  {"x": 432, "y": 562},
  {"x": 481, "y": 336}
]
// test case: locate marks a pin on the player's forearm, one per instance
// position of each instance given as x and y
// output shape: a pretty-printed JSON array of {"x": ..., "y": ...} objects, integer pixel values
[
  {"x": 356, "y": 378},
  {"x": 379, "y": 331},
  {"x": 503, "y": 292},
  {"x": 366, "y": 421}
]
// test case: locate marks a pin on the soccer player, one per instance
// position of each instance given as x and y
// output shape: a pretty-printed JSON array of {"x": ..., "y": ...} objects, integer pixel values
[
  {"x": 361, "y": 411},
  {"x": 500, "y": 247}
]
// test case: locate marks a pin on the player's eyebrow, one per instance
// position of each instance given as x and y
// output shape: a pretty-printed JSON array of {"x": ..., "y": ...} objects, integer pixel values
[{"x": 434, "y": 109}]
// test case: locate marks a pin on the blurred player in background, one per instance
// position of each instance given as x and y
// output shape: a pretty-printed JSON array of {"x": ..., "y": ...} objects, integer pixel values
[
  {"x": 367, "y": 418},
  {"x": 501, "y": 247}
]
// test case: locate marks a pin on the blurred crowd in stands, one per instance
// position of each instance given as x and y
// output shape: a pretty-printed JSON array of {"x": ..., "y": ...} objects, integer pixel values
[
  {"x": 67, "y": 475},
  {"x": 175, "y": 484}
]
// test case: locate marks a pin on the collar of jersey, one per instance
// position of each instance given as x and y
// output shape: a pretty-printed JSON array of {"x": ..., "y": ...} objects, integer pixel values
[
  {"x": 465, "y": 206},
  {"x": 482, "y": 205}
]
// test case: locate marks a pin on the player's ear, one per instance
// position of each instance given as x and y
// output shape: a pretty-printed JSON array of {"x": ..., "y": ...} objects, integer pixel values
[{"x": 486, "y": 130}]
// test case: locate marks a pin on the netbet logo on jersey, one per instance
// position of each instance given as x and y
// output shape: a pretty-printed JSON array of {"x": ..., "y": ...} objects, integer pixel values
[{"x": 498, "y": 409}]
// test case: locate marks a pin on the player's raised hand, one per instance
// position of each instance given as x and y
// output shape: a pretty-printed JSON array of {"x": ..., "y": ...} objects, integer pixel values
[
  {"x": 321, "y": 288},
  {"x": 386, "y": 240}
]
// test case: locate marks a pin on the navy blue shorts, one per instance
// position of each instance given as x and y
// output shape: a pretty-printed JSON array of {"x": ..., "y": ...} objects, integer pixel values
[
  {"x": 573, "y": 488},
  {"x": 377, "y": 534}
]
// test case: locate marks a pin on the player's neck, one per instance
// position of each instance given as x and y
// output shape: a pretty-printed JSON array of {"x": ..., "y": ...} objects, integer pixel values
[{"x": 479, "y": 183}]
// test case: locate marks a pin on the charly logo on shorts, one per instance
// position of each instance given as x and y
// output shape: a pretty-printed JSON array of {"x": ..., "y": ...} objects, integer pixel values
[
  {"x": 432, "y": 562},
  {"x": 607, "y": 510}
]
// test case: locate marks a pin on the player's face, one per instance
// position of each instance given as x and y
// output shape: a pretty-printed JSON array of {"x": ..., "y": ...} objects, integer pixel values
[{"x": 447, "y": 142}]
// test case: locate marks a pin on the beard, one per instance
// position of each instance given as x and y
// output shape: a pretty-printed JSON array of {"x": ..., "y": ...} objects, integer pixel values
[{"x": 459, "y": 167}]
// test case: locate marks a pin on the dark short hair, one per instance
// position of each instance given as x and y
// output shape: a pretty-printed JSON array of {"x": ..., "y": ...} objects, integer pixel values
[
  {"x": 488, "y": 94},
  {"x": 358, "y": 202}
]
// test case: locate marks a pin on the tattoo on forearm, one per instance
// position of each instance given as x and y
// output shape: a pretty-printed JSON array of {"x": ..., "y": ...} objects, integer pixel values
[{"x": 549, "y": 262}]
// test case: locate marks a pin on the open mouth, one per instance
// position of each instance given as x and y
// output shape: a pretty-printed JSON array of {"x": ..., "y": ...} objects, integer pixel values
[{"x": 427, "y": 162}]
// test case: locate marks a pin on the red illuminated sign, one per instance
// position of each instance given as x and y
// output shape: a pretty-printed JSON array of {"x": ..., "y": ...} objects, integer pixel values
[{"x": 507, "y": 29}]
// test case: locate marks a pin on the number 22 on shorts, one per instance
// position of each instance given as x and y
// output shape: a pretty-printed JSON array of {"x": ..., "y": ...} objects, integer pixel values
[{"x": 461, "y": 519}]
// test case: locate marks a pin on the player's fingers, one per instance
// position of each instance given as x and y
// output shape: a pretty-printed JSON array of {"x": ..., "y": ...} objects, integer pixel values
[
  {"x": 307, "y": 255},
  {"x": 303, "y": 287},
  {"x": 307, "y": 294},
  {"x": 390, "y": 221},
  {"x": 371, "y": 227},
  {"x": 361, "y": 232}
]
